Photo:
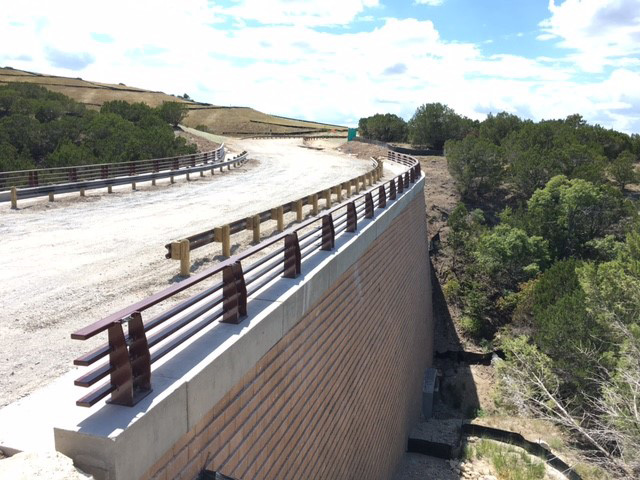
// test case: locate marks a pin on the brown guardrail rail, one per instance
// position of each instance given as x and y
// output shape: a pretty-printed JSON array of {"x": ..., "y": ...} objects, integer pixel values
[
  {"x": 36, "y": 183},
  {"x": 180, "y": 249},
  {"x": 129, "y": 356}
]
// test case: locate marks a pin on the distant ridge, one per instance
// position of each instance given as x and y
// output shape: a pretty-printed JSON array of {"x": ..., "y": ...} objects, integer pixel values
[{"x": 217, "y": 119}]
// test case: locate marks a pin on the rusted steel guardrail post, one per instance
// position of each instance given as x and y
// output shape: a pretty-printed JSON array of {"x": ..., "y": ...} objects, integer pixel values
[
  {"x": 352, "y": 217},
  {"x": 234, "y": 293},
  {"x": 328, "y": 233},
  {"x": 292, "y": 256}
]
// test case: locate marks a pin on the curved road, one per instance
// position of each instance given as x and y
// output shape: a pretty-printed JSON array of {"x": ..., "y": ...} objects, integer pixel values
[{"x": 67, "y": 264}]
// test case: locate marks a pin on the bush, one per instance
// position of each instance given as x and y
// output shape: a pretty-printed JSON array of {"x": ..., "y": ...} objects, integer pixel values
[{"x": 385, "y": 128}]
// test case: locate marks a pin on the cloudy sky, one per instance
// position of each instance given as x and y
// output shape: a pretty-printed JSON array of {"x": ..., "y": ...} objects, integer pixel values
[{"x": 338, "y": 60}]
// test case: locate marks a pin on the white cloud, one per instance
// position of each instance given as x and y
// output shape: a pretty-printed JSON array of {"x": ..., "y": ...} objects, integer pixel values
[
  {"x": 296, "y": 70},
  {"x": 433, "y": 3},
  {"x": 599, "y": 31}
]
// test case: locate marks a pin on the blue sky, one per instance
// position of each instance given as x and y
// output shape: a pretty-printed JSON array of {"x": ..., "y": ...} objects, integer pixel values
[{"x": 339, "y": 60}]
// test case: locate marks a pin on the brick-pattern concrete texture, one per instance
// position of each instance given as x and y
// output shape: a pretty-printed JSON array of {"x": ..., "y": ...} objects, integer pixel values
[{"x": 336, "y": 396}]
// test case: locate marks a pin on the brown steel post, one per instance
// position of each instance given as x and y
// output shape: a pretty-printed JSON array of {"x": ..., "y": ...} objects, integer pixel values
[
  {"x": 226, "y": 241},
  {"x": 352, "y": 217},
  {"x": 185, "y": 257},
  {"x": 392, "y": 190},
  {"x": 14, "y": 198},
  {"x": 292, "y": 257},
  {"x": 140, "y": 358},
  {"x": 413, "y": 175},
  {"x": 298, "y": 210},
  {"x": 382, "y": 197},
  {"x": 234, "y": 293},
  {"x": 400, "y": 184},
  {"x": 328, "y": 233},
  {"x": 368, "y": 205},
  {"x": 121, "y": 375}
]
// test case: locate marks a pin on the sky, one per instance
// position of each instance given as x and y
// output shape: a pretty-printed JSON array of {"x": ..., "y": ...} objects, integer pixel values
[{"x": 335, "y": 61}]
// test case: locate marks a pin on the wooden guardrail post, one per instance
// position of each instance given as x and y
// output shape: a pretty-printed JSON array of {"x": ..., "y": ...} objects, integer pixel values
[
  {"x": 357, "y": 185},
  {"x": 188, "y": 177},
  {"x": 278, "y": 215},
  {"x": 364, "y": 183},
  {"x": 51, "y": 197},
  {"x": 14, "y": 198},
  {"x": 298, "y": 210},
  {"x": 314, "y": 204},
  {"x": 82, "y": 192},
  {"x": 109, "y": 189},
  {"x": 327, "y": 198},
  {"x": 255, "y": 226},
  {"x": 339, "y": 192},
  {"x": 226, "y": 241},
  {"x": 185, "y": 257},
  {"x": 172, "y": 179},
  {"x": 348, "y": 188}
]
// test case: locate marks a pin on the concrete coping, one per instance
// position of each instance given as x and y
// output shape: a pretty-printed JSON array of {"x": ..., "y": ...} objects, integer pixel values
[{"x": 117, "y": 442}]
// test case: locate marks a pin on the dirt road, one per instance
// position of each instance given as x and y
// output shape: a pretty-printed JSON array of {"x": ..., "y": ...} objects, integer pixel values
[{"x": 66, "y": 264}]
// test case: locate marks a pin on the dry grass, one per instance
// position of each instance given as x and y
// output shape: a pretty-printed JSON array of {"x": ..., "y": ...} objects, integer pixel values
[{"x": 219, "y": 120}]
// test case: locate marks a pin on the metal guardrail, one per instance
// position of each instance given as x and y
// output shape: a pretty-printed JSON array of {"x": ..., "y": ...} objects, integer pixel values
[
  {"x": 129, "y": 356},
  {"x": 180, "y": 249},
  {"x": 86, "y": 177}
]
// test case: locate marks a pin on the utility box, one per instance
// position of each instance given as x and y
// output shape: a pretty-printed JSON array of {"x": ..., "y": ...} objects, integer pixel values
[
  {"x": 351, "y": 134},
  {"x": 429, "y": 389}
]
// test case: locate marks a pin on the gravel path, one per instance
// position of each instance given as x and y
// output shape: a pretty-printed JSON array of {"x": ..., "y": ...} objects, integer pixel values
[{"x": 69, "y": 263}]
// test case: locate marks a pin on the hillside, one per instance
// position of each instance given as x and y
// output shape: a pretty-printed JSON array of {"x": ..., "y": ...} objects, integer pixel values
[{"x": 220, "y": 120}]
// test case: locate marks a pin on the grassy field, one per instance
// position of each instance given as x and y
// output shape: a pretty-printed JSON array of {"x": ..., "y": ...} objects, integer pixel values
[{"x": 240, "y": 121}]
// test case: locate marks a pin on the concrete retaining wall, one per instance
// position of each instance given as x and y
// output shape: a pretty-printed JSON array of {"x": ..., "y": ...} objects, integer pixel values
[{"x": 322, "y": 381}]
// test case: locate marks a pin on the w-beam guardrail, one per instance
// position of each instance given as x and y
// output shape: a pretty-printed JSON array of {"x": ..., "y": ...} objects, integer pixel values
[
  {"x": 88, "y": 177},
  {"x": 129, "y": 356},
  {"x": 180, "y": 249}
]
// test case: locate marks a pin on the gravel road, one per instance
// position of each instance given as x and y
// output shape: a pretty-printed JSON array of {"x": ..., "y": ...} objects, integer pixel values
[{"x": 69, "y": 263}]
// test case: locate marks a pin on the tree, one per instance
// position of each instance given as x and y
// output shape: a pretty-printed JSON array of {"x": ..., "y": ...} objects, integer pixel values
[
  {"x": 622, "y": 169},
  {"x": 172, "y": 112},
  {"x": 570, "y": 213},
  {"x": 385, "y": 128},
  {"x": 496, "y": 128},
  {"x": 476, "y": 164},
  {"x": 434, "y": 123}
]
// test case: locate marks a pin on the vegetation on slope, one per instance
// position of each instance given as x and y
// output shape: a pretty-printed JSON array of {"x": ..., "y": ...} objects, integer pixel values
[
  {"x": 545, "y": 265},
  {"x": 40, "y": 128}
]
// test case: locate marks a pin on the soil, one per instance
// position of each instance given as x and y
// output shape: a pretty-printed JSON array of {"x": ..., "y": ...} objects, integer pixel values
[
  {"x": 72, "y": 262},
  {"x": 40, "y": 465},
  {"x": 201, "y": 143}
]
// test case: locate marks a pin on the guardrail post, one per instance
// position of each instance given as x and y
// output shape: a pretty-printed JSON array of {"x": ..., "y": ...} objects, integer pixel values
[
  {"x": 327, "y": 198},
  {"x": 339, "y": 192},
  {"x": 14, "y": 198},
  {"x": 292, "y": 257},
  {"x": 400, "y": 184},
  {"x": 352, "y": 217},
  {"x": 173, "y": 180},
  {"x": 381, "y": 168},
  {"x": 234, "y": 294},
  {"x": 226, "y": 240},
  {"x": 328, "y": 233},
  {"x": 109, "y": 189},
  {"x": 140, "y": 358},
  {"x": 368, "y": 205},
  {"x": 51, "y": 197},
  {"x": 82, "y": 192},
  {"x": 122, "y": 374},
  {"x": 255, "y": 226},
  {"x": 413, "y": 175},
  {"x": 298, "y": 210},
  {"x": 357, "y": 185},
  {"x": 185, "y": 257},
  {"x": 392, "y": 189},
  {"x": 188, "y": 177},
  {"x": 382, "y": 197},
  {"x": 406, "y": 180},
  {"x": 314, "y": 204},
  {"x": 364, "y": 181}
]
